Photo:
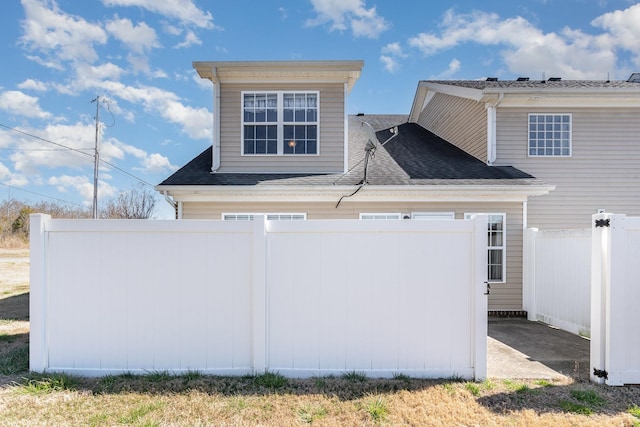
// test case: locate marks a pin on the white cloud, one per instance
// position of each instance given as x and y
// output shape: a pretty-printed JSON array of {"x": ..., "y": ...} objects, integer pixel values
[
  {"x": 20, "y": 104},
  {"x": 157, "y": 163},
  {"x": 31, "y": 84},
  {"x": 623, "y": 25},
  {"x": 390, "y": 64},
  {"x": 349, "y": 14},
  {"x": 4, "y": 172},
  {"x": 57, "y": 35},
  {"x": 139, "y": 38},
  {"x": 454, "y": 67},
  {"x": 183, "y": 10},
  {"x": 82, "y": 185},
  {"x": 526, "y": 49},
  {"x": 391, "y": 53},
  {"x": 189, "y": 40}
]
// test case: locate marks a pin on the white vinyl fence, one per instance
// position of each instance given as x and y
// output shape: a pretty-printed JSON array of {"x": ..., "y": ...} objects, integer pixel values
[
  {"x": 557, "y": 278},
  {"x": 615, "y": 296},
  {"x": 224, "y": 297}
]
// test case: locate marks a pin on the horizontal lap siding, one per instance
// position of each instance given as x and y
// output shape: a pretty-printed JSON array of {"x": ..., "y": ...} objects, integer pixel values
[
  {"x": 603, "y": 171},
  {"x": 504, "y": 296},
  {"x": 331, "y": 132},
  {"x": 460, "y": 121}
]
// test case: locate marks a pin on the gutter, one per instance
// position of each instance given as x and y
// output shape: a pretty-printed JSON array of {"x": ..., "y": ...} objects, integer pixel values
[{"x": 215, "y": 161}]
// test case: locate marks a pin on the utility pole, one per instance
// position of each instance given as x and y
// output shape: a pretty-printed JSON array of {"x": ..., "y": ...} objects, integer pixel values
[{"x": 96, "y": 159}]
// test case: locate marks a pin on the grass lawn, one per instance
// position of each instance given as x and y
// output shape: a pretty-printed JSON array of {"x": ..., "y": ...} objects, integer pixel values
[{"x": 160, "y": 398}]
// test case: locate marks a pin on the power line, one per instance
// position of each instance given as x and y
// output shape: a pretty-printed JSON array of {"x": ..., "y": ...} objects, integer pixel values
[
  {"x": 43, "y": 195},
  {"x": 45, "y": 140}
]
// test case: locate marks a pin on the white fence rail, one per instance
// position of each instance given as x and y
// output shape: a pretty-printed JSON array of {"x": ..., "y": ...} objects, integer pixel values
[
  {"x": 299, "y": 297},
  {"x": 556, "y": 278},
  {"x": 615, "y": 294}
]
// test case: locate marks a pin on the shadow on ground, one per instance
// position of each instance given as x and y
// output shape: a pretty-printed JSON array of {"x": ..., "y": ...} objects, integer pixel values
[{"x": 15, "y": 307}]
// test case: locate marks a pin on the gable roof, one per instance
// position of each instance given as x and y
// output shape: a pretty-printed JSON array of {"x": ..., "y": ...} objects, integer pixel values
[
  {"x": 532, "y": 93},
  {"x": 415, "y": 157}
]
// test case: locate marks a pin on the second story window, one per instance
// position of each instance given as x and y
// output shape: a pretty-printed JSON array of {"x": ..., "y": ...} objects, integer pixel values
[
  {"x": 280, "y": 123},
  {"x": 550, "y": 135}
]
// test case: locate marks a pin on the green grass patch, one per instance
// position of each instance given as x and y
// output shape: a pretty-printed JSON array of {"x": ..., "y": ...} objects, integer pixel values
[
  {"x": 355, "y": 376},
  {"x": 310, "y": 413},
  {"x": 634, "y": 410},
  {"x": 544, "y": 383},
  {"x": 191, "y": 375},
  {"x": 575, "y": 408},
  {"x": 377, "y": 409},
  {"x": 473, "y": 388},
  {"x": 137, "y": 413},
  {"x": 272, "y": 380},
  {"x": 158, "y": 376},
  {"x": 38, "y": 384},
  {"x": 588, "y": 397},
  {"x": 15, "y": 361},
  {"x": 6, "y": 337}
]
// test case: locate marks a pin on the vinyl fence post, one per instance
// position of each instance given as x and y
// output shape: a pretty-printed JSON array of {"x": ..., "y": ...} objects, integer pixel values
[
  {"x": 38, "y": 360},
  {"x": 480, "y": 296},
  {"x": 600, "y": 246},
  {"x": 529, "y": 273},
  {"x": 259, "y": 296}
]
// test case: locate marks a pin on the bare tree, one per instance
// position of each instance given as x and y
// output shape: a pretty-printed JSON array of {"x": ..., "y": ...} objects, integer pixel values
[{"x": 135, "y": 203}]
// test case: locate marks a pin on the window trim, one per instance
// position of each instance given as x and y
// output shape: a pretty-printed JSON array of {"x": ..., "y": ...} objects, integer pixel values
[
  {"x": 430, "y": 215},
  {"x": 489, "y": 248},
  {"x": 251, "y": 215},
  {"x": 280, "y": 123},
  {"x": 561, "y": 156},
  {"x": 391, "y": 216}
]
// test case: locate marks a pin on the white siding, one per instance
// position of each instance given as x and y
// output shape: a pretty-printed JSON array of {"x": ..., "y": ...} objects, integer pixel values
[
  {"x": 331, "y": 132},
  {"x": 460, "y": 121},
  {"x": 504, "y": 296},
  {"x": 602, "y": 173}
]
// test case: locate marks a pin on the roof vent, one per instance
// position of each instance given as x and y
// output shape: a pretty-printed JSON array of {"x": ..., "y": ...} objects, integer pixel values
[
  {"x": 522, "y": 79},
  {"x": 359, "y": 114},
  {"x": 634, "y": 78},
  {"x": 555, "y": 79},
  {"x": 492, "y": 79}
]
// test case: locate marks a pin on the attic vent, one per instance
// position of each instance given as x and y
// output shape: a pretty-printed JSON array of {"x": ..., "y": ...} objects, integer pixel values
[
  {"x": 555, "y": 79},
  {"x": 634, "y": 78},
  {"x": 492, "y": 79},
  {"x": 522, "y": 79},
  {"x": 359, "y": 114}
]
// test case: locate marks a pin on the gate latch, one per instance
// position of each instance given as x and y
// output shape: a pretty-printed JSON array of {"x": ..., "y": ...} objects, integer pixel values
[
  {"x": 603, "y": 223},
  {"x": 600, "y": 373},
  {"x": 488, "y": 292}
]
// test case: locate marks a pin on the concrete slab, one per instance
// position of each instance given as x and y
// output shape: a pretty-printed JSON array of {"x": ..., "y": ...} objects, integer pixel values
[{"x": 518, "y": 348}]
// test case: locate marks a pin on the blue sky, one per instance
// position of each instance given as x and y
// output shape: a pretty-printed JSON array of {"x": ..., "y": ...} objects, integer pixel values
[{"x": 136, "y": 54}]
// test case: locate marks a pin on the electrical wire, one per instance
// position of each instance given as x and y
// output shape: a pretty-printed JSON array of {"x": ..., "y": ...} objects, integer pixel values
[{"x": 43, "y": 195}]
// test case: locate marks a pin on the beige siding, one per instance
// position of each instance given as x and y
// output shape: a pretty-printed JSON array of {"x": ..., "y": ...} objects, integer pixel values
[
  {"x": 460, "y": 121},
  {"x": 331, "y": 133},
  {"x": 504, "y": 296},
  {"x": 603, "y": 171}
]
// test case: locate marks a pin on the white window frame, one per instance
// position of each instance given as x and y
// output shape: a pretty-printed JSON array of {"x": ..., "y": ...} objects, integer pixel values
[
  {"x": 280, "y": 123},
  {"x": 503, "y": 247},
  {"x": 553, "y": 136},
  {"x": 271, "y": 216},
  {"x": 384, "y": 216},
  {"x": 433, "y": 215}
]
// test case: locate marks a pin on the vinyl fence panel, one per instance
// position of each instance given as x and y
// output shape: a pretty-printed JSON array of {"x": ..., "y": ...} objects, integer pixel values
[{"x": 299, "y": 297}]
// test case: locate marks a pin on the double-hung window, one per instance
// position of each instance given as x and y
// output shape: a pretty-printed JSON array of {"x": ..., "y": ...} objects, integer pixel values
[
  {"x": 550, "y": 135},
  {"x": 280, "y": 123},
  {"x": 496, "y": 246}
]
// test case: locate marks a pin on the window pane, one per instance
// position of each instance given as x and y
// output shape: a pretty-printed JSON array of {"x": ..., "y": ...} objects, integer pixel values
[
  {"x": 261, "y": 146},
  {"x": 261, "y": 132},
  {"x": 312, "y": 131},
  {"x": 288, "y": 115},
  {"x": 299, "y": 116},
  {"x": 248, "y": 147},
  {"x": 272, "y": 147},
  {"x": 312, "y": 146}
]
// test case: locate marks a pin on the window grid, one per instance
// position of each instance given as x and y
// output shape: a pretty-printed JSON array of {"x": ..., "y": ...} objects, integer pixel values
[
  {"x": 280, "y": 123},
  {"x": 496, "y": 246},
  {"x": 550, "y": 135},
  {"x": 381, "y": 216},
  {"x": 270, "y": 216}
]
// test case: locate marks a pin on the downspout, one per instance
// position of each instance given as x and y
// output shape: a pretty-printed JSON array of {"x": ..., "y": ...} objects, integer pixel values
[
  {"x": 170, "y": 201},
  {"x": 215, "y": 161},
  {"x": 491, "y": 130}
]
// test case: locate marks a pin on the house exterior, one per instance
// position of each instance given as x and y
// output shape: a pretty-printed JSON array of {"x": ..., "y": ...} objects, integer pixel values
[
  {"x": 285, "y": 146},
  {"x": 581, "y": 136}
]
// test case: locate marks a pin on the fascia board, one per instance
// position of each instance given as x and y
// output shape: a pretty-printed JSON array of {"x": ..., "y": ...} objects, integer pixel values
[
  {"x": 386, "y": 193},
  {"x": 459, "y": 91}
]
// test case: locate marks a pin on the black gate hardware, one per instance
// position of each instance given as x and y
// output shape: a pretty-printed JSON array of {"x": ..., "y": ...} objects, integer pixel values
[
  {"x": 603, "y": 223},
  {"x": 600, "y": 373},
  {"x": 488, "y": 288}
]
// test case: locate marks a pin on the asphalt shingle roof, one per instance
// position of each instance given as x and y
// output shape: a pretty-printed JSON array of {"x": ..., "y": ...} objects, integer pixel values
[
  {"x": 540, "y": 84},
  {"x": 415, "y": 157}
]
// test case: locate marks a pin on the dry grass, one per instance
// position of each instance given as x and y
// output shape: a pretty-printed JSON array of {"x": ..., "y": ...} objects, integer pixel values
[{"x": 161, "y": 399}]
